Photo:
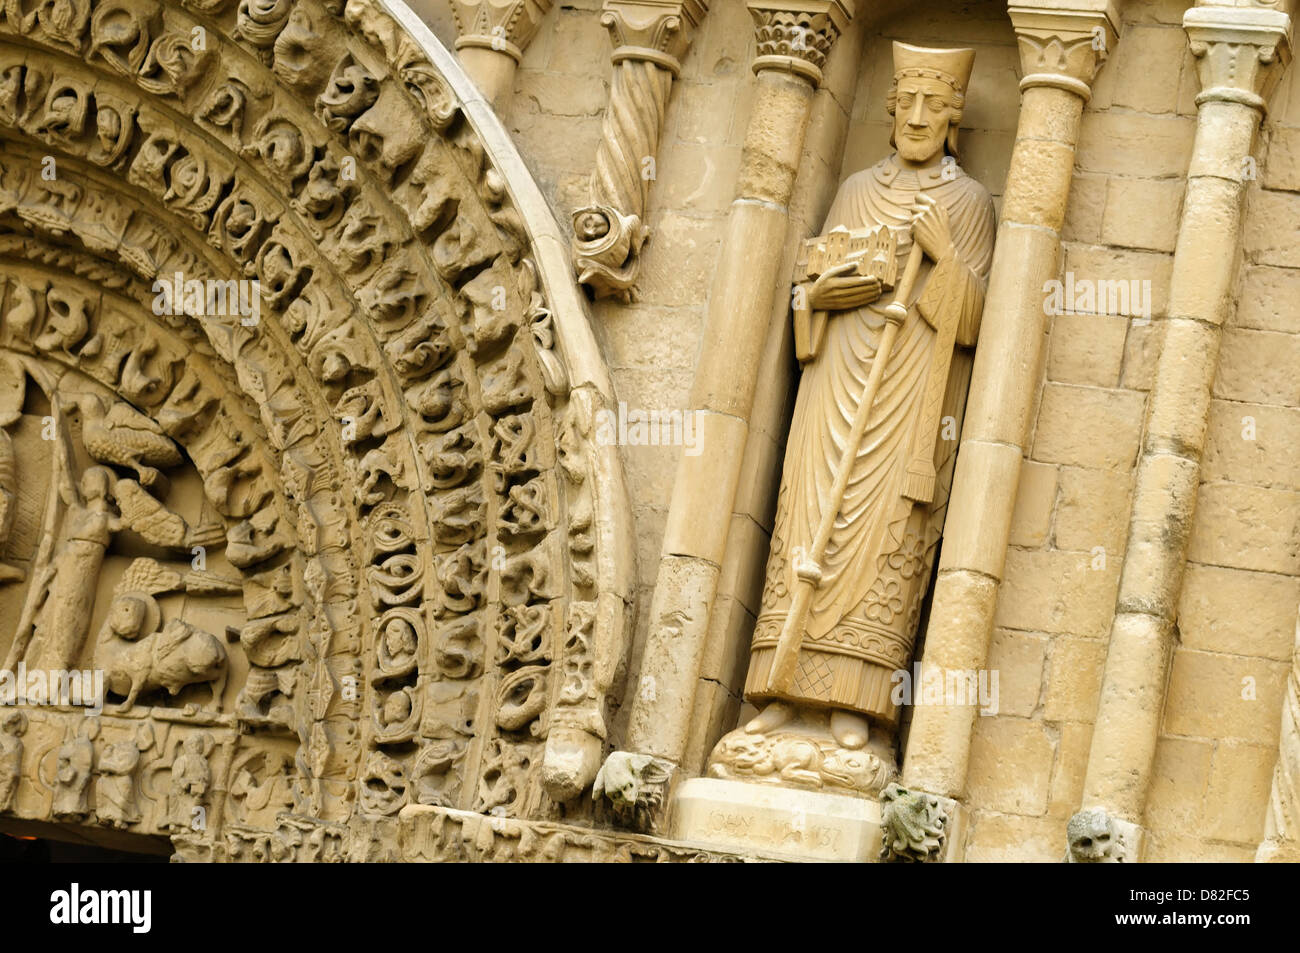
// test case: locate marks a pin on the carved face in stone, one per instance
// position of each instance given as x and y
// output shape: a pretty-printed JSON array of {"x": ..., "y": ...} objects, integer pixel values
[
  {"x": 923, "y": 113},
  {"x": 127, "y": 616},
  {"x": 397, "y": 708},
  {"x": 591, "y": 226},
  {"x": 95, "y": 483},
  {"x": 1091, "y": 837},
  {"x": 399, "y": 639}
]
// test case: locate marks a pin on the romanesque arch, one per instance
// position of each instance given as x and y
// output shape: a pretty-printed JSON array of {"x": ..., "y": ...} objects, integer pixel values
[{"x": 347, "y": 547}]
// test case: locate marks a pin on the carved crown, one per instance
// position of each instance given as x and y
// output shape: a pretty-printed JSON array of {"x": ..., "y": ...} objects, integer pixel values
[{"x": 951, "y": 66}]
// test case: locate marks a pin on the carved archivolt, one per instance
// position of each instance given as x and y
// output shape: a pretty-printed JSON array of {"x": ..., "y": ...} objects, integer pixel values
[{"x": 415, "y": 560}]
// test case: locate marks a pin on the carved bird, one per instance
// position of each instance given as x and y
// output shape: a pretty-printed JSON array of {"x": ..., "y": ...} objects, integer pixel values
[{"x": 118, "y": 433}]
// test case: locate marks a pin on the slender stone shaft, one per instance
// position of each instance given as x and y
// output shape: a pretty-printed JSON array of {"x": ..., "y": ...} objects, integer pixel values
[{"x": 1060, "y": 52}]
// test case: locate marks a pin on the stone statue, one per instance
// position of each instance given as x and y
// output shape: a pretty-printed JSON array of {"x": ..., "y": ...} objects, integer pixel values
[
  {"x": 115, "y": 801},
  {"x": 191, "y": 778},
  {"x": 887, "y": 478},
  {"x": 12, "y": 727},
  {"x": 76, "y": 764}
]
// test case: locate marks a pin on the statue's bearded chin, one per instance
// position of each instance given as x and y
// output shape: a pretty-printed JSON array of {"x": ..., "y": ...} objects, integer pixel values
[{"x": 920, "y": 149}]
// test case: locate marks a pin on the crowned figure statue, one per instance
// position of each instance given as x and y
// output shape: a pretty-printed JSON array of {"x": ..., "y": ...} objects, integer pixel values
[{"x": 871, "y": 448}]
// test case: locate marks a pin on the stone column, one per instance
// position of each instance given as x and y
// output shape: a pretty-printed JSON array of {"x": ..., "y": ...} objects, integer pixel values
[
  {"x": 794, "y": 38},
  {"x": 1060, "y": 53},
  {"x": 650, "y": 39},
  {"x": 493, "y": 37},
  {"x": 1240, "y": 53}
]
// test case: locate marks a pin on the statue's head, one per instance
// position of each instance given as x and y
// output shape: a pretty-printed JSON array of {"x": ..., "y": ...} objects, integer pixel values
[
  {"x": 926, "y": 100},
  {"x": 126, "y": 616},
  {"x": 97, "y": 484}
]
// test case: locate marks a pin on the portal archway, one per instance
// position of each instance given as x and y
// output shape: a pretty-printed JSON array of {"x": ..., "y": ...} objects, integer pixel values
[{"x": 295, "y": 305}]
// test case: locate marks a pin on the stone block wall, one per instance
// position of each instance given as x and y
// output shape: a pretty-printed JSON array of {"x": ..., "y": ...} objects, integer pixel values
[{"x": 1242, "y": 586}]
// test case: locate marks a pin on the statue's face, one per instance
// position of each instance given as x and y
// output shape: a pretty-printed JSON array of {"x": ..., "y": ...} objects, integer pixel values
[
  {"x": 921, "y": 118},
  {"x": 127, "y": 616}
]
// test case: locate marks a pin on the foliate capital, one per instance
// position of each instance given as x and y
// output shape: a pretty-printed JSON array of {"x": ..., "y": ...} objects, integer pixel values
[
  {"x": 507, "y": 26},
  {"x": 658, "y": 31},
  {"x": 797, "y": 35},
  {"x": 1240, "y": 52},
  {"x": 1064, "y": 47}
]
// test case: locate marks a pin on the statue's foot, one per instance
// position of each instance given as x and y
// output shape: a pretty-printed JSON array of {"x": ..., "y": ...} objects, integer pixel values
[
  {"x": 773, "y": 716},
  {"x": 849, "y": 729}
]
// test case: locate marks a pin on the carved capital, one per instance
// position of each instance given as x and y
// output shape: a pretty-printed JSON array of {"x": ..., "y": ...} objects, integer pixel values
[
  {"x": 656, "y": 31},
  {"x": 1240, "y": 52},
  {"x": 507, "y": 26},
  {"x": 1064, "y": 48},
  {"x": 797, "y": 35}
]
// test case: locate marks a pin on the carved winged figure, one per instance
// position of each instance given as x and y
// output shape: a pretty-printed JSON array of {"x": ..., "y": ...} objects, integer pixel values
[
  {"x": 80, "y": 522},
  {"x": 117, "y": 433}
]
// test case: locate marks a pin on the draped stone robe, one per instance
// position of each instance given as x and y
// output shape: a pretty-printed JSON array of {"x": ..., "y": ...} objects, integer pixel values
[{"x": 864, "y": 615}]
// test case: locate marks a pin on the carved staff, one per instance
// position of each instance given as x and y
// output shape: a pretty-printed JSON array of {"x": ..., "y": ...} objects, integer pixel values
[
  {"x": 61, "y": 463},
  {"x": 781, "y": 677}
]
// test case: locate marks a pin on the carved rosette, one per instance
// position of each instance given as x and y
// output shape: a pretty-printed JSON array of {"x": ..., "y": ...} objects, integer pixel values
[
  {"x": 650, "y": 39},
  {"x": 797, "y": 35},
  {"x": 426, "y": 538}
]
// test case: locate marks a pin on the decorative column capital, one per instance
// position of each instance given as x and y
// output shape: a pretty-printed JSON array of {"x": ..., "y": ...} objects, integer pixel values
[
  {"x": 507, "y": 26},
  {"x": 1064, "y": 47},
  {"x": 656, "y": 31},
  {"x": 1240, "y": 52},
  {"x": 797, "y": 35}
]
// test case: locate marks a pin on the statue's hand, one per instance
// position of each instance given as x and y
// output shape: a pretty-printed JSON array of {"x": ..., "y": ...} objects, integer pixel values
[
  {"x": 931, "y": 229},
  {"x": 837, "y": 289}
]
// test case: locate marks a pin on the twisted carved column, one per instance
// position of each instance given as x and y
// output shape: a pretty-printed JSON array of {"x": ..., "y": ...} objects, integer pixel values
[
  {"x": 650, "y": 39},
  {"x": 1060, "y": 53},
  {"x": 493, "y": 37},
  {"x": 1240, "y": 52},
  {"x": 793, "y": 40}
]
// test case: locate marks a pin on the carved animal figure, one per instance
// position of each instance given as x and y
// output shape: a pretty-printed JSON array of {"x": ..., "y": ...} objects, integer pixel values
[
  {"x": 136, "y": 658},
  {"x": 119, "y": 434}
]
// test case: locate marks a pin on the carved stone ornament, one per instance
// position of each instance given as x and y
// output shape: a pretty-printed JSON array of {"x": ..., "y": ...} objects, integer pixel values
[
  {"x": 636, "y": 787},
  {"x": 1095, "y": 837},
  {"x": 296, "y": 435},
  {"x": 914, "y": 825},
  {"x": 650, "y": 38}
]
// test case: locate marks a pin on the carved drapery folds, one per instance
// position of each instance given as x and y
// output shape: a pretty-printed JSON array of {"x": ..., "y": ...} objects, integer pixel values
[
  {"x": 493, "y": 37},
  {"x": 321, "y": 432},
  {"x": 650, "y": 40}
]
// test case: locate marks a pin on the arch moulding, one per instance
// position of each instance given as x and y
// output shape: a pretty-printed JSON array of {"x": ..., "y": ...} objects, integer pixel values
[{"x": 296, "y": 443}]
